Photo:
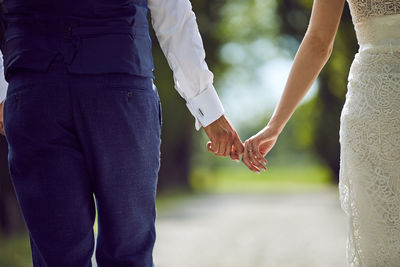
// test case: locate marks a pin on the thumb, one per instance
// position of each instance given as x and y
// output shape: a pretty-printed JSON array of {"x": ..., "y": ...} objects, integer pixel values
[
  {"x": 234, "y": 154},
  {"x": 238, "y": 145}
]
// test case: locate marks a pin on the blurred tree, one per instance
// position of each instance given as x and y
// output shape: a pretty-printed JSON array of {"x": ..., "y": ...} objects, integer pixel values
[{"x": 326, "y": 108}]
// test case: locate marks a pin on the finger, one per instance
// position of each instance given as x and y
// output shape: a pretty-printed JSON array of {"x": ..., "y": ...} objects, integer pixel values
[
  {"x": 258, "y": 156},
  {"x": 237, "y": 143},
  {"x": 228, "y": 149},
  {"x": 250, "y": 149},
  {"x": 257, "y": 163},
  {"x": 237, "y": 149},
  {"x": 261, "y": 159},
  {"x": 254, "y": 163},
  {"x": 251, "y": 166},
  {"x": 247, "y": 162},
  {"x": 222, "y": 148},
  {"x": 211, "y": 147},
  {"x": 234, "y": 154},
  {"x": 255, "y": 156},
  {"x": 235, "y": 157}
]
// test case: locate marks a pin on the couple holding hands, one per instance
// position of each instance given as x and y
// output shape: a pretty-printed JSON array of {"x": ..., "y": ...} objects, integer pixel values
[{"x": 82, "y": 119}]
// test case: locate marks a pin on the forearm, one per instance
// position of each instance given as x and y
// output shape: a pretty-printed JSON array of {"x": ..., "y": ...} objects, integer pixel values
[{"x": 308, "y": 63}]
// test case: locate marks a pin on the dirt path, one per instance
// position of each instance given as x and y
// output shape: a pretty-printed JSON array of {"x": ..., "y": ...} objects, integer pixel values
[{"x": 302, "y": 229}]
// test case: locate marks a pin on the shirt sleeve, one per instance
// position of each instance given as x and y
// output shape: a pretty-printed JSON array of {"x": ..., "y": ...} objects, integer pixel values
[
  {"x": 176, "y": 29},
  {"x": 3, "y": 83}
]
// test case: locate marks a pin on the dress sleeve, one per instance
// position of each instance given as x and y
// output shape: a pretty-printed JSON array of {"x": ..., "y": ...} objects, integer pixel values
[{"x": 176, "y": 29}]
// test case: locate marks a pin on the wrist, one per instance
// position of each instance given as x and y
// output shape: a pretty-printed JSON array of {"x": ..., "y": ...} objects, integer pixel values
[
  {"x": 272, "y": 131},
  {"x": 218, "y": 121},
  {"x": 205, "y": 107}
]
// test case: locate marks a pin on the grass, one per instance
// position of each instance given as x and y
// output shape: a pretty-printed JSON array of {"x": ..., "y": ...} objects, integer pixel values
[
  {"x": 275, "y": 179},
  {"x": 15, "y": 252}
]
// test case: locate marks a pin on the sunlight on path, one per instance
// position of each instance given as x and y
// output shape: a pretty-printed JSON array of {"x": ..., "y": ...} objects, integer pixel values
[{"x": 302, "y": 229}]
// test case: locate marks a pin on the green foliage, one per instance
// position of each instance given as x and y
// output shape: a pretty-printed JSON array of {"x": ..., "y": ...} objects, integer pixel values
[
  {"x": 242, "y": 29},
  {"x": 15, "y": 252},
  {"x": 247, "y": 20}
]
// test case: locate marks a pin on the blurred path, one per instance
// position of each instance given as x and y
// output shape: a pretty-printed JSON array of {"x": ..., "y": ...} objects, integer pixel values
[{"x": 299, "y": 229}]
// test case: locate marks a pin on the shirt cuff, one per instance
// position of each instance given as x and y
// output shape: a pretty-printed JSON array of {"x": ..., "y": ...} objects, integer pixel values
[
  {"x": 3, "y": 87},
  {"x": 206, "y": 107}
]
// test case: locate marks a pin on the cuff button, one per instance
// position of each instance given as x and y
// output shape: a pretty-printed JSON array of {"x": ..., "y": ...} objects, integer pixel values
[{"x": 201, "y": 113}]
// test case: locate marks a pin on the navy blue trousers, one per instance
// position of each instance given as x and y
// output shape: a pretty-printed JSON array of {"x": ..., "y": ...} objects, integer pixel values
[{"x": 75, "y": 136}]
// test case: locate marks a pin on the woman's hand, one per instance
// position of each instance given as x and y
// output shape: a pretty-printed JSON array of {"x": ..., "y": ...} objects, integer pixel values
[
  {"x": 1, "y": 118},
  {"x": 257, "y": 147}
]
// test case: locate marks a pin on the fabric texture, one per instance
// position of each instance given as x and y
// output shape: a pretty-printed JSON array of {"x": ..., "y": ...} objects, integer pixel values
[
  {"x": 95, "y": 39},
  {"x": 74, "y": 136},
  {"x": 370, "y": 138},
  {"x": 364, "y": 9}
]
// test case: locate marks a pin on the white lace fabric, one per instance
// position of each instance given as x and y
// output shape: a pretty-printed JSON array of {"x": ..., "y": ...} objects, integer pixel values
[
  {"x": 370, "y": 138},
  {"x": 364, "y": 9}
]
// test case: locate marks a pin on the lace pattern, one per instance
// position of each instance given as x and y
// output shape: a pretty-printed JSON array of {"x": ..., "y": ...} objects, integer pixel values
[
  {"x": 370, "y": 159},
  {"x": 364, "y": 9}
]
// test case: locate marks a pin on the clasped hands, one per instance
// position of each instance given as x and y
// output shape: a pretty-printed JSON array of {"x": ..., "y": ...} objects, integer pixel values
[{"x": 225, "y": 142}]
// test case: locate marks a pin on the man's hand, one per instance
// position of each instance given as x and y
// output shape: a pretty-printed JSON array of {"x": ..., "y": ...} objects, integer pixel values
[
  {"x": 224, "y": 140},
  {"x": 1, "y": 118}
]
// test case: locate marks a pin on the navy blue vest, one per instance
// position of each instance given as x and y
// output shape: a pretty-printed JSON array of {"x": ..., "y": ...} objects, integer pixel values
[{"x": 94, "y": 36}]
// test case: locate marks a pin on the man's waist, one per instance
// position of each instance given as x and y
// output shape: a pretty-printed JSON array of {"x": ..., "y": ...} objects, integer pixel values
[
  {"x": 69, "y": 27},
  {"x": 115, "y": 45}
]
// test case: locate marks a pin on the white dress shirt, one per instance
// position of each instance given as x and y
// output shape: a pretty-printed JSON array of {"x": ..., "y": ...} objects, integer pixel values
[
  {"x": 3, "y": 83},
  {"x": 177, "y": 32}
]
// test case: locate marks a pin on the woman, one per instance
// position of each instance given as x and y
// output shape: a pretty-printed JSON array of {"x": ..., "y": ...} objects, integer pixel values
[{"x": 370, "y": 123}]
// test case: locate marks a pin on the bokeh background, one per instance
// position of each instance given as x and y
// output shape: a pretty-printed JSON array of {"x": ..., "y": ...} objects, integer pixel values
[{"x": 213, "y": 212}]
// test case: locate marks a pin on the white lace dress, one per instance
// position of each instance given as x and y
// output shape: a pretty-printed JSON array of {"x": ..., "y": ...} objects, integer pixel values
[{"x": 370, "y": 137}]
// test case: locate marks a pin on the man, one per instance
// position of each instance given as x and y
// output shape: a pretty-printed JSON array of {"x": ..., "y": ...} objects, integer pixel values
[{"x": 82, "y": 118}]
